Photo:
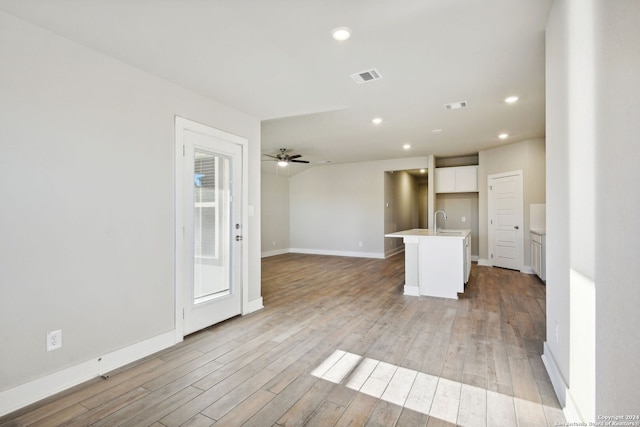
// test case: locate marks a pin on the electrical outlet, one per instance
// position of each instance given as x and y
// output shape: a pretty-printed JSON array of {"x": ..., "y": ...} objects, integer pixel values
[
  {"x": 54, "y": 340},
  {"x": 464, "y": 219}
]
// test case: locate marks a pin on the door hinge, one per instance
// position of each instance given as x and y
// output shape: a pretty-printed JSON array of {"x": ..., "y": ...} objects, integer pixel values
[
  {"x": 491, "y": 256},
  {"x": 491, "y": 188},
  {"x": 183, "y": 151},
  {"x": 183, "y": 313},
  {"x": 491, "y": 222}
]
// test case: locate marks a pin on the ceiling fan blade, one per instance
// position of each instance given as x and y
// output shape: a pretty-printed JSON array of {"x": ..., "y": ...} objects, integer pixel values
[
  {"x": 298, "y": 161},
  {"x": 269, "y": 155},
  {"x": 295, "y": 156}
]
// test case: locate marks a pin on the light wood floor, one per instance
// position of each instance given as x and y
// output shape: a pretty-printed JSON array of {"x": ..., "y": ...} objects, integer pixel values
[{"x": 338, "y": 344}]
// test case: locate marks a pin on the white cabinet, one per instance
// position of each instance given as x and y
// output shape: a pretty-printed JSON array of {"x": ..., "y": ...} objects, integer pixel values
[
  {"x": 461, "y": 179},
  {"x": 538, "y": 254},
  {"x": 467, "y": 258},
  {"x": 436, "y": 264}
]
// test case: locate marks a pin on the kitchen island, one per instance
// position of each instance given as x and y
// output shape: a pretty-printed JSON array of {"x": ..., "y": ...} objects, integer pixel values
[{"x": 436, "y": 264}]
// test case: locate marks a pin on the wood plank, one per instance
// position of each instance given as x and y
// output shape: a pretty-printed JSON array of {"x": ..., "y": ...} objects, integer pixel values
[
  {"x": 423, "y": 390},
  {"x": 326, "y": 415},
  {"x": 357, "y": 413},
  {"x": 246, "y": 409},
  {"x": 500, "y": 410},
  {"x": 384, "y": 414},
  {"x": 473, "y": 406},
  {"x": 307, "y": 404},
  {"x": 410, "y": 418},
  {"x": 440, "y": 357},
  {"x": 446, "y": 401},
  {"x": 524, "y": 384},
  {"x": 279, "y": 405},
  {"x": 107, "y": 408}
]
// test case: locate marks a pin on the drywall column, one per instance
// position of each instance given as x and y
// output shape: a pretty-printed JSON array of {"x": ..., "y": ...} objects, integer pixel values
[
  {"x": 431, "y": 190},
  {"x": 617, "y": 67}
]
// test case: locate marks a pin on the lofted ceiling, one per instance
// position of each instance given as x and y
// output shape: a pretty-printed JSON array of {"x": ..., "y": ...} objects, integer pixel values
[{"x": 276, "y": 60}]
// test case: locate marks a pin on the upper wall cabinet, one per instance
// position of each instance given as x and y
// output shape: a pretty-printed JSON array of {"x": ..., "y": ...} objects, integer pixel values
[{"x": 461, "y": 179}]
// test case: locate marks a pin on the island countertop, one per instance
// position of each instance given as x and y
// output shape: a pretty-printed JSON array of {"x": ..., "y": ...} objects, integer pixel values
[{"x": 428, "y": 232}]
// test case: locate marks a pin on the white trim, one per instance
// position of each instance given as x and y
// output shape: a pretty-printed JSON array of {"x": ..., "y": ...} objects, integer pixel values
[
  {"x": 252, "y": 306},
  {"x": 485, "y": 262},
  {"x": 563, "y": 393},
  {"x": 570, "y": 409},
  {"x": 474, "y": 258},
  {"x": 394, "y": 251},
  {"x": 527, "y": 269},
  {"x": 338, "y": 253},
  {"x": 182, "y": 124},
  {"x": 557, "y": 380},
  {"x": 413, "y": 291},
  {"x": 40, "y": 388},
  {"x": 267, "y": 254}
]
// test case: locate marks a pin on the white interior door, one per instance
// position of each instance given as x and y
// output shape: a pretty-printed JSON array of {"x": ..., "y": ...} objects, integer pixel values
[
  {"x": 208, "y": 226},
  {"x": 506, "y": 231}
]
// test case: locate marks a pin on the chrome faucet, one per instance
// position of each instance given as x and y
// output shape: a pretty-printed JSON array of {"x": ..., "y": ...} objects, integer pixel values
[{"x": 435, "y": 220}]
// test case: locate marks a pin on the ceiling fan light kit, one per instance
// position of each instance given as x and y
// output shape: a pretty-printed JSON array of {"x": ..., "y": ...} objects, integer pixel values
[{"x": 283, "y": 159}]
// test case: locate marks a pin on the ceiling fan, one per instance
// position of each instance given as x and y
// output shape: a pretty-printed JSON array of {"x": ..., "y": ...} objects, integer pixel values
[{"x": 284, "y": 159}]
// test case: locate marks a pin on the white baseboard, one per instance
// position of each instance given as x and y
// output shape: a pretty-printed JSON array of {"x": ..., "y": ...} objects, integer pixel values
[
  {"x": 393, "y": 252},
  {"x": 413, "y": 291},
  {"x": 252, "y": 306},
  {"x": 378, "y": 255},
  {"x": 527, "y": 269},
  {"x": 485, "y": 262},
  {"x": 563, "y": 392},
  {"x": 570, "y": 409},
  {"x": 474, "y": 258},
  {"x": 38, "y": 389},
  {"x": 274, "y": 252}
]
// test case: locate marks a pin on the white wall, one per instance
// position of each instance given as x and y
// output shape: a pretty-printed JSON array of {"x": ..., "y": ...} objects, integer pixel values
[
  {"x": 339, "y": 209},
  {"x": 593, "y": 60},
  {"x": 557, "y": 216},
  {"x": 401, "y": 206},
  {"x": 528, "y": 156},
  {"x": 86, "y": 181},
  {"x": 617, "y": 205},
  {"x": 457, "y": 206},
  {"x": 275, "y": 214}
]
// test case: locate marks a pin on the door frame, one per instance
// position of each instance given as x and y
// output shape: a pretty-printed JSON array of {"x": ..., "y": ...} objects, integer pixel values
[
  {"x": 182, "y": 125},
  {"x": 490, "y": 210}
]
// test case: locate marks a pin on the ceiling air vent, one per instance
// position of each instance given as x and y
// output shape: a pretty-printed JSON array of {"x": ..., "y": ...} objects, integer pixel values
[
  {"x": 456, "y": 105},
  {"x": 366, "y": 76}
]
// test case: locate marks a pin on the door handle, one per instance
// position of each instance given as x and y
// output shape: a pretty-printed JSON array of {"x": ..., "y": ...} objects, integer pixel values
[
  {"x": 516, "y": 227},
  {"x": 238, "y": 238}
]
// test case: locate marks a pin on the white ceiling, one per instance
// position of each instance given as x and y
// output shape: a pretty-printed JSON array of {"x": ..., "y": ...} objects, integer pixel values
[{"x": 276, "y": 60}]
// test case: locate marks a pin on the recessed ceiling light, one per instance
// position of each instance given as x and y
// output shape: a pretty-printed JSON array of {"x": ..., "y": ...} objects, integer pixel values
[
  {"x": 436, "y": 131},
  {"x": 423, "y": 170},
  {"x": 503, "y": 136},
  {"x": 406, "y": 146},
  {"x": 377, "y": 120},
  {"x": 341, "y": 33},
  {"x": 511, "y": 99}
]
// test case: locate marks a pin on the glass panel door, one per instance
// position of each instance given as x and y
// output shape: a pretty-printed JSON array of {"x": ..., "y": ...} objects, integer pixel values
[
  {"x": 209, "y": 245},
  {"x": 211, "y": 209}
]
